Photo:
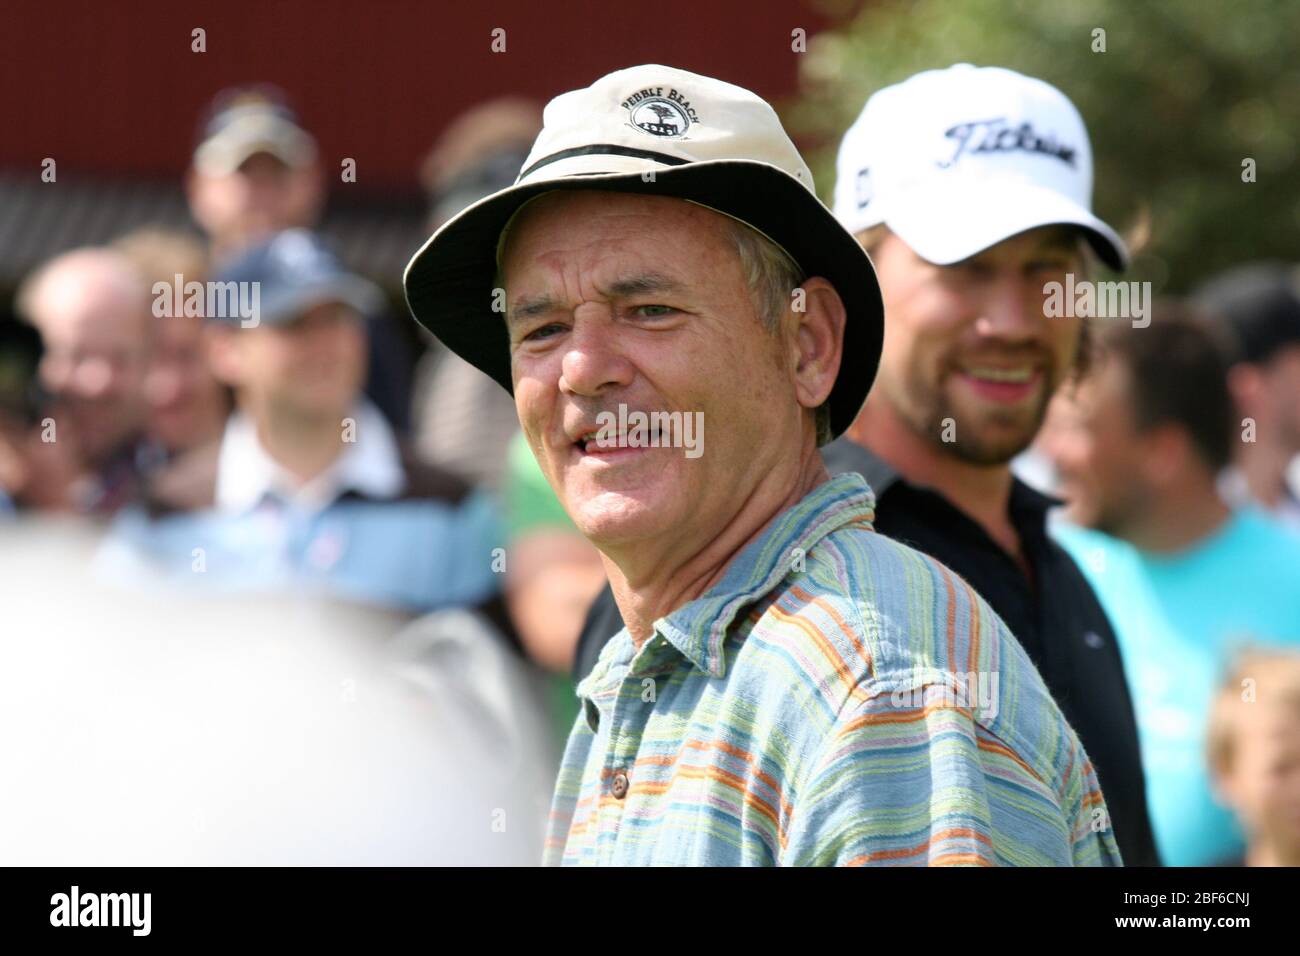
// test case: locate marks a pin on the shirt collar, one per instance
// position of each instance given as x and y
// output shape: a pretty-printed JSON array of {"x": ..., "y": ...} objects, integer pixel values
[
  {"x": 698, "y": 629},
  {"x": 844, "y": 454},
  {"x": 370, "y": 465}
]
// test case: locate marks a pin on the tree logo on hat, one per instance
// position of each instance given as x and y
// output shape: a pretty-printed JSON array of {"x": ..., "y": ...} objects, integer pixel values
[{"x": 658, "y": 115}]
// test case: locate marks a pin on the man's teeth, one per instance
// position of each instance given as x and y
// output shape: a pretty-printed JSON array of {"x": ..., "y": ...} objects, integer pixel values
[{"x": 1014, "y": 376}]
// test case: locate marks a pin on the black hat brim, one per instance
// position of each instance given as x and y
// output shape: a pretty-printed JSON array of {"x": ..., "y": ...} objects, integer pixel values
[{"x": 449, "y": 281}]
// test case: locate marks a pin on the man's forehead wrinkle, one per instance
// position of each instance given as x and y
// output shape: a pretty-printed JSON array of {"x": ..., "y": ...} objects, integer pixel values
[{"x": 526, "y": 307}]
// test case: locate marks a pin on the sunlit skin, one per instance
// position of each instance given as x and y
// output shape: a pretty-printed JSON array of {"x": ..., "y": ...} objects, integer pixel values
[
  {"x": 1263, "y": 783},
  {"x": 261, "y": 198},
  {"x": 1100, "y": 478},
  {"x": 1268, "y": 393},
  {"x": 297, "y": 381},
  {"x": 615, "y": 298},
  {"x": 93, "y": 317},
  {"x": 187, "y": 404},
  {"x": 1147, "y": 486},
  {"x": 951, "y": 332}
]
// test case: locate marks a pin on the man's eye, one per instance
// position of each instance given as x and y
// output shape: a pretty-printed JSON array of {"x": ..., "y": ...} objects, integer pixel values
[
  {"x": 972, "y": 270},
  {"x": 654, "y": 311},
  {"x": 543, "y": 332}
]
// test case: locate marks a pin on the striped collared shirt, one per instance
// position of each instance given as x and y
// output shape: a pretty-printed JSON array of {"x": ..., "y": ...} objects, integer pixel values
[{"x": 838, "y": 698}]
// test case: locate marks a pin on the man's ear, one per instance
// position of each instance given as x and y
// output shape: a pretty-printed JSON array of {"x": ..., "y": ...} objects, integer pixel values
[
  {"x": 1245, "y": 383},
  {"x": 190, "y": 183},
  {"x": 224, "y": 355},
  {"x": 196, "y": 198},
  {"x": 1170, "y": 452},
  {"x": 818, "y": 343}
]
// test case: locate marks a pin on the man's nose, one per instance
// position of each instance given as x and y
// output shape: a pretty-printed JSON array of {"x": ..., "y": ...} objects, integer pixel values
[
  {"x": 1067, "y": 446},
  {"x": 593, "y": 361},
  {"x": 1012, "y": 309},
  {"x": 163, "y": 386},
  {"x": 93, "y": 377}
]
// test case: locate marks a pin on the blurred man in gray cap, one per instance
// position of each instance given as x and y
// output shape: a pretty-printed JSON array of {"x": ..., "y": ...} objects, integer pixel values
[{"x": 255, "y": 171}]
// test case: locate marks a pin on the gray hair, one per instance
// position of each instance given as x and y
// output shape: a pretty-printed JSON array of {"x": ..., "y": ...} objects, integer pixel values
[{"x": 772, "y": 276}]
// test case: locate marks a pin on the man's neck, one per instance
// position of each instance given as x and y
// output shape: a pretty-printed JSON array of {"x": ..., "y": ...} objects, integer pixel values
[
  {"x": 303, "y": 446},
  {"x": 1179, "y": 517},
  {"x": 651, "y": 582},
  {"x": 981, "y": 492}
]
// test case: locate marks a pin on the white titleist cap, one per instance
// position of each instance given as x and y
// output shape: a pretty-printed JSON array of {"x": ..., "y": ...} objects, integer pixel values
[{"x": 954, "y": 161}]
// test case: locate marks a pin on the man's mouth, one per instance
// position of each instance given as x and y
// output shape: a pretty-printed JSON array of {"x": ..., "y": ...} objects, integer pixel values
[
  {"x": 598, "y": 442},
  {"x": 1017, "y": 375},
  {"x": 1002, "y": 383},
  {"x": 586, "y": 442}
]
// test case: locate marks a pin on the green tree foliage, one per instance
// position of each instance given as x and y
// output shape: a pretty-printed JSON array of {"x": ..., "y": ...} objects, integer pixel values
[{"x": 1185, "y": 92}]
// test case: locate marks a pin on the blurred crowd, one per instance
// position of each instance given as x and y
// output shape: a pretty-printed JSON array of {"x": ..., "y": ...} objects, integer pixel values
[{"x": 292, "y": 445}]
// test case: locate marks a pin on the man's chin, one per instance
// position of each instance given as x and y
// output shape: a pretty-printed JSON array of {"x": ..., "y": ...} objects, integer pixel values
[
  {"x": 1079, "y": 510},
  {"x": 989, "y": 447},
  {"x": 612, "y": 520},
  {"x": 988, "y": 436}
]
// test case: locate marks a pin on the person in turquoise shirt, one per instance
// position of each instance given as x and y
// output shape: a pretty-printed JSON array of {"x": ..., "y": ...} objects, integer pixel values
[{"x": 1187, "y": 581}]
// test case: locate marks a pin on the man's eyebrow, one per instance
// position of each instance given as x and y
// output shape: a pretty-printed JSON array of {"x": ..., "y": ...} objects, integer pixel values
[
  {"x": 531, "y": 306},
  {"x": 641, "y": 284},
  {"x": 528, "y": 307}
]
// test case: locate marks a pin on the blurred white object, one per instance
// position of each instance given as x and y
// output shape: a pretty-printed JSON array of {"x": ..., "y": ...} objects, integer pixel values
[{"x": 174, "y": 731}]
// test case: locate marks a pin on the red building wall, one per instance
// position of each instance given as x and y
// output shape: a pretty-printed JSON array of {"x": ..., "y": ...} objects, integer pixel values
[{"x": 114, "y": 88}]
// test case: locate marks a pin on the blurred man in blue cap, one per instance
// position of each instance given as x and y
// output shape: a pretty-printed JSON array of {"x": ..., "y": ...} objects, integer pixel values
[
  {"x": 308, "y": 486},
  {"x": 256, "y": 171}
]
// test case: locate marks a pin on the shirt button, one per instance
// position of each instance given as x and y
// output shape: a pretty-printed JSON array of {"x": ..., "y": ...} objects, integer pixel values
[{"x": 618, "y": 786}]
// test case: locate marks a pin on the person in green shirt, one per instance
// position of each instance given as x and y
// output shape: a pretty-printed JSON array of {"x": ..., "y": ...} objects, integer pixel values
[{"x": 552, "y": 575}]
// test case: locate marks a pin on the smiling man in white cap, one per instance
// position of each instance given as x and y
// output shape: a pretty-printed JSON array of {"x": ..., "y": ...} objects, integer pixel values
[
  {"x": 972, "y": 188},
  {"x": 791, "y": 688}
]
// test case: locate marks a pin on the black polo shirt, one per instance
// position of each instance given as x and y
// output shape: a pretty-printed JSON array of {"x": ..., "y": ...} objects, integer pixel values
[{"x": 1056, "y": 618}]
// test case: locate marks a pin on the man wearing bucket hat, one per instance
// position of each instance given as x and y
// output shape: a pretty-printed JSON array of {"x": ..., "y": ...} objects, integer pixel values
[
  {"x": 971, "y": 188},
  {"x": 791, "y": 687}
]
